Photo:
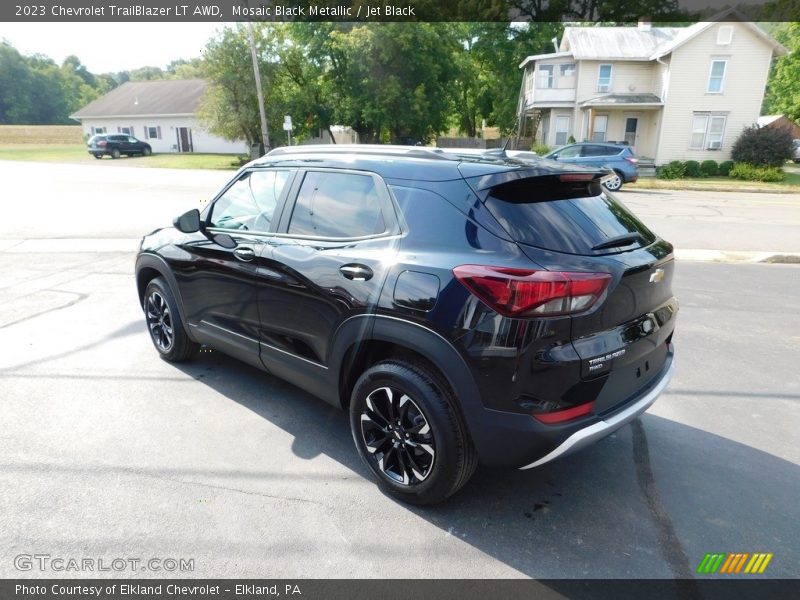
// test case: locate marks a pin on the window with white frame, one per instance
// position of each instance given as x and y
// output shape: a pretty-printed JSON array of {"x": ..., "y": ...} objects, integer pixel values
[
  {"x": 153, "y": 133},
  {"x": 708, "y": 131},
  {"x": 562, "y": 130},
  {"x": 98, "y": 130},
  {"x": 716, "y": 76},
  {"x": 567, "y": 70},
  {"x": 529, "y": 83},
  {"x": 604, "y": 78},
  {"x": 125, "y": 130},
  {"x": 724, "y": 35},
  {"x": 544, "y": 76},
  {"x": 599, "y": 128}
]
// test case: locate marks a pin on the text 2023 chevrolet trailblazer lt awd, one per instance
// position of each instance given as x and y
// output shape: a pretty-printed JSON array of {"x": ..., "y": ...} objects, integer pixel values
[{"x": 462, "y": 307}]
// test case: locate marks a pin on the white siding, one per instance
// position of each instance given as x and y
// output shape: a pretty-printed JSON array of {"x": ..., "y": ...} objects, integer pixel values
[
  {"x": 748, "y": 59},
  {"x": 202, "y": 141},
  {"x": 626, "y": 78}
]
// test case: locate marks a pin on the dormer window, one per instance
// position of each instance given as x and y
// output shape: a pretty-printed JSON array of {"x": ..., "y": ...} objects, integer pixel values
[
  {"x": 724, "y": 35},
  {"x": 604, "y": 78}
]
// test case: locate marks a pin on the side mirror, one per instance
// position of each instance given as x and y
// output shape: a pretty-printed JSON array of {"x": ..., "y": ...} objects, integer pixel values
[
  {"x": 188, "y": 222},
  {"x": 553, "y": 157}
]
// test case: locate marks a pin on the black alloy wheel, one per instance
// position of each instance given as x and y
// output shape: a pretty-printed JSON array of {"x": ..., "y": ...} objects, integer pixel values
[
  {"x": 398, "y": 436},
  {"x": 409, "y": 432},
  {"x": 165, "y": 324},
  {"x": 159, "y": 321}
]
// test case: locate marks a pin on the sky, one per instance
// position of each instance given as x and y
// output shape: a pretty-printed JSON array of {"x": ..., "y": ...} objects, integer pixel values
[{"x": 138, "y": 44}]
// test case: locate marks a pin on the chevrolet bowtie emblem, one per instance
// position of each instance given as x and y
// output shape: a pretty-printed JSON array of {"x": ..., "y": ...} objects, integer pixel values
[{"x": 656, "y": 275}]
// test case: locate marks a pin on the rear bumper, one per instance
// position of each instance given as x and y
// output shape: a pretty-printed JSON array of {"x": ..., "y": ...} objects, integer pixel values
[
  {"x": 600, "y": 429},
  {"x": 517, "y": 440}
]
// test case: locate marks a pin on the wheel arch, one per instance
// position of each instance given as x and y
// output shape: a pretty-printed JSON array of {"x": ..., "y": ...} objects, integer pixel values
[
  {"x": 150, "y": 266},
  {"x": 362, "y": 342}
]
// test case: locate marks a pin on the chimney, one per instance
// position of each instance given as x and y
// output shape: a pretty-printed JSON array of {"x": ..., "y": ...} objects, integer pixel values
[{"x": 644, "y": 23}]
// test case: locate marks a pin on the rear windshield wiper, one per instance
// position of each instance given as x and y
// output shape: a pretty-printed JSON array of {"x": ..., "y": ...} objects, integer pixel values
[{"x": 626, "y": 239}]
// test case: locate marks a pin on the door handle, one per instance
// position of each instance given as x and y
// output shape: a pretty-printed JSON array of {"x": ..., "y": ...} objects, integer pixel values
[
  {"x": 244, "y": 253},
  {"x": 356, "y": 272}
]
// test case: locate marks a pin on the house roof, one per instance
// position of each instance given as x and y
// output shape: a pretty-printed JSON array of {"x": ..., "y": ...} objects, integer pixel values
[
  {"x": 624, "y": 100},
  {"x": 544, "y": 56},
  {"x": 147, "y": 98},
  {"x": 645, "y": 44},
  {"x": 727, "y": 15},
  {"x": 628, "y": 43},
  {"x": 767, "y": 119}
]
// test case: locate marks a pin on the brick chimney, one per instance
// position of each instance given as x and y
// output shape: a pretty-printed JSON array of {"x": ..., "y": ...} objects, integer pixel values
[{"x": 644, "y": 23}]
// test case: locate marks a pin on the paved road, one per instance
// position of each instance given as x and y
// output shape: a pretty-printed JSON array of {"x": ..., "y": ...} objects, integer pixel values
[
  {"x": 728, "y": 221},
  {"x": 107, "y": 451}
]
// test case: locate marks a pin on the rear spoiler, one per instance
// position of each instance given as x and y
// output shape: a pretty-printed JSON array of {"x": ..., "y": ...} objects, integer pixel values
[
  {"x": 550, "y": 170},
  {"x": 572, "y": 182}
]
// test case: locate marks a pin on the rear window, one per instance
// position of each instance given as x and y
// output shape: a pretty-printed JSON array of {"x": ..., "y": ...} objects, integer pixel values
[{"x": 564, "y": 217}]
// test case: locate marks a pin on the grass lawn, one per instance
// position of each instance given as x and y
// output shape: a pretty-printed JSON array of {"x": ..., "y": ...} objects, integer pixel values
[
  {"x": 78, "y": 154},
  {"x": 790, "y": 185}
]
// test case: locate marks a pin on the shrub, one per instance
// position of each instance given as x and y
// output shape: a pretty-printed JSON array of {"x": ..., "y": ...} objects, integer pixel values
[
  {"x": 725, "y": 167},
  {"x": 709, "y": 168},
  {"x": 750, "y": 172},
  {"x": 570, "y": 140},
  {"x": 763, "y": 146},
  {"x": 674, "y": 170},
  {"x": 691, "y": 168},
  {"x": 540, "y": 149}
]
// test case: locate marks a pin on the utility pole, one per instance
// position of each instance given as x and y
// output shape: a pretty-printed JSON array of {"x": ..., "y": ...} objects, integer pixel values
[{"x": 259, "y": 90}]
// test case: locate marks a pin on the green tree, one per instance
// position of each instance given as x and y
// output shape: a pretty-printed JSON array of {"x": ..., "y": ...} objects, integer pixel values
[
  {"x": 783, "y": 87},
  {"x": 388, "y": 81},
  {"x": 229, "y": 107}
]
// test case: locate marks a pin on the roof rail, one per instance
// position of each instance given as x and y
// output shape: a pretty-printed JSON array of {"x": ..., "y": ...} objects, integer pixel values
[{"x": 375, "y": 149}]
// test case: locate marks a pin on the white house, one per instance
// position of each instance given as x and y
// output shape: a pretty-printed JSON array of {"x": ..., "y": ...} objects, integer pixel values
[
  {"x": 672, "y": 93},
  {"x": 161, "y": 112}
]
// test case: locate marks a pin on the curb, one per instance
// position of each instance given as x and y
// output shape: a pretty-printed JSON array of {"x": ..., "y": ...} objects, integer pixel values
[{"x": 738, "y": 256}]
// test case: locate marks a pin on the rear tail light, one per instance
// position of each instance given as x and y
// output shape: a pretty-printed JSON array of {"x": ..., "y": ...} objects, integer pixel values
[
  {"x": 526, "y": 292},
  {"x": 102, "y": 143},
  {"x": 631, "y": 159},
  {"x": 560, "y": 416},
  {"x": 568, "y": 177}
]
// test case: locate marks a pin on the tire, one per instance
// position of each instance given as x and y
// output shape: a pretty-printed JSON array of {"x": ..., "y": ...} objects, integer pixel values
[
  {"x": 98, "y": 156},
  {"x": 115, "y": 153},
  {"x": 165, "y": 324},
  {"x": 615, "y": 184},
  {"x": 408, "y": 432},
  {"x": 147, "y": 152}
]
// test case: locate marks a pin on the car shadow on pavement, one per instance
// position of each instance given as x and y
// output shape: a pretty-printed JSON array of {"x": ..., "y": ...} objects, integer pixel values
[{"x": 649, "y": 501}]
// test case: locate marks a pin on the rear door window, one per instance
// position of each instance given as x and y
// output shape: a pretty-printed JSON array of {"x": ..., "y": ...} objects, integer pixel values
[
  {"x": 564, "y": 217},
  {"x": 337, "y": 205}
]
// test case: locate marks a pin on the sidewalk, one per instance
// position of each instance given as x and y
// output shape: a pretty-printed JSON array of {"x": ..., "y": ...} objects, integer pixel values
[{"x": 733, "y": 256}]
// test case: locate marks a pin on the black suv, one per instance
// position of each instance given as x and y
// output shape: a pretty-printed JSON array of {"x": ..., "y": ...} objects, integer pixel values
[
  {"x": 463, "y": 308},
  {"x": 117, "y": 144}
]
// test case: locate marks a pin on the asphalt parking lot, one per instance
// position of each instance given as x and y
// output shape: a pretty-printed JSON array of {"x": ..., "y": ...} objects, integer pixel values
[{"x": 106, "y": 451}]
